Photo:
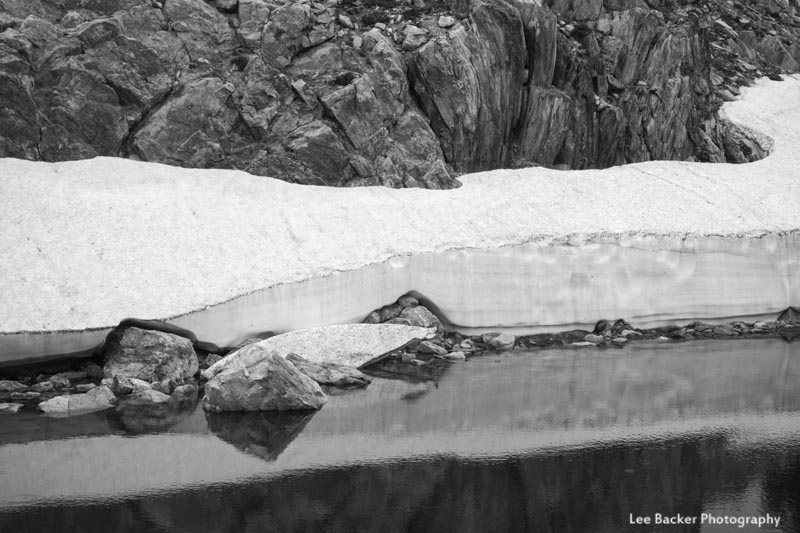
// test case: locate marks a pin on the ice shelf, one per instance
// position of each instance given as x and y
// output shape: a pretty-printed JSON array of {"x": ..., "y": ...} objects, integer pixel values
[{"x": 225, "y": 254}]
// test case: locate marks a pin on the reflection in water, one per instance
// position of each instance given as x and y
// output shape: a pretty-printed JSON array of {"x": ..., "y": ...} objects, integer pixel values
[
  {"x": 592, "y": 489},
  {"x": 264, "y": 435},
  {"x": 146, "y": 417},
  {"x": 544, "y": 441}
]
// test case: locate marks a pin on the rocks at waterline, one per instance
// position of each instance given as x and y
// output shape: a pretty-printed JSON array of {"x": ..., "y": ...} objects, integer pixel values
[
  {"x": 97, "y": 399},
  {"x": 330, "y": 374},
  {"x": 352, "y": 345},
  {"x": 122, "y": 385},
  {"x": 152, "y": 410},
  {"x": 149, "y": 355},
  {"x": 499, "y": 341},
  {"x": 10, "y": 386},
  {"x": 261, "y": 380},
  {"x": 10, "y": 407}
]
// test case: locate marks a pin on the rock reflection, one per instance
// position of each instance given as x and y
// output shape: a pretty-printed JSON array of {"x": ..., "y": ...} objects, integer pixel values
[
  {"x": 265, "y": 435},
  {"x": 143, "y": 416},
  {"x": 562, "y": 491}
]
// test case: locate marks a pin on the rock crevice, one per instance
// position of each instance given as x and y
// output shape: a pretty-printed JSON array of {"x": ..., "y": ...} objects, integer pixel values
[{"x": 349, "y": 92}]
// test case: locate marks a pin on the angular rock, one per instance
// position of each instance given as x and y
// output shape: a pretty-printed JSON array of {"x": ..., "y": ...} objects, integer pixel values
[
  {"x": 414, "y": 38},
  {"x": 11, "y": 386},
  {"x": 431, "y": 347},
  {"x": 44, "y": 386},
  {"x": 499, "y": 341},
  {"x": 97, "y": 399},
  {"x": 790, "y": 315},
  {"x": 420, "y": 317},
  {"x": 121, "y": 385},
  {"x": 70, "y": 376},
  {"x": 6, "y": 407},
  {"x": 455, "y": 356},
  {"x": 266, "y": 383},
  {"x": 149, "y": 355},
  {"x": 330, "y": 374},
  {"x": 445, "y": 21},
  {"x": 25, "y": 396}
]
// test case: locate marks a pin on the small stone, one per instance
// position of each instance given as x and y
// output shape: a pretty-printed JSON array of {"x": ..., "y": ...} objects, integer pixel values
[
  {"x": 582, "y": 344},
  {"x": 11, "y": 386},
  {"x": 185, "y": 390},
  {"x": 662, "y": 338},
  {"x": 417, "y": 362},
  {"x": 97, "y": 399},
  {"x": 724, "y": 331},
  {"x": 414, "y": 37},
  {"x": 357, "y": 42},
  {"x": 407, "y": 301},
  {"x": 93, "y": 371},
  {"x": 25, "y": 396},
  {"x": 594, "y": 339},
  {"x": 59, "y": 383},
  {"x": 381, "y": 26},
  {"x": 406, "y": 357},
  {"x": 212, "y": 358},
  {"x": 165, "y": 385},
  {"x": 466, "y": 344},
  {"x": 499, "y": 341},
  {"x": 10, "y": 407},
  {"x": 71, "y": 376},
  {"x": 431, "y": 347},
  {"x": 630, "y": 333},
  {"x": 760, "y": 325},
  {"x": 455, "y": 356},
  {"x": 85, "y": 387},
  {"x": 445, "y": 21},
  {"x": 619, "y": 340},
  {"x": 345, "y": 21},
  {"x": 44, "y": 386}
]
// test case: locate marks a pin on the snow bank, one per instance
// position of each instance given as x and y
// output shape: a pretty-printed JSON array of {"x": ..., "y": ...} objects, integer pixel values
[{"x": 87, "y": 243}]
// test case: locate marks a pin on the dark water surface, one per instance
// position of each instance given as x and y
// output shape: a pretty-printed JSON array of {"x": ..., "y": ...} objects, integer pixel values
[{"x": 550, "y": 441}]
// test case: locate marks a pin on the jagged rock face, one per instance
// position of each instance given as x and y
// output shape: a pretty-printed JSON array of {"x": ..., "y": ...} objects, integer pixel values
[
  {"x": 347, "y": 92},
  {"x": 267, "y": 383}
]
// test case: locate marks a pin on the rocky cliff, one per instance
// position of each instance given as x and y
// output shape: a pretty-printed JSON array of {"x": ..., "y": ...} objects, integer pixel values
[{"x": 358, "y": 92}]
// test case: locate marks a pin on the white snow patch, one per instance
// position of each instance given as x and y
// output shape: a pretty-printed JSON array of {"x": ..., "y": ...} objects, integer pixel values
[{"x": 85, "y": 244}]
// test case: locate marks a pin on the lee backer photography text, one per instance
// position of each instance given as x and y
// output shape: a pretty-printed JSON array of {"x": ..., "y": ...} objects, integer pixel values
[{"x": 762, "y": 521}]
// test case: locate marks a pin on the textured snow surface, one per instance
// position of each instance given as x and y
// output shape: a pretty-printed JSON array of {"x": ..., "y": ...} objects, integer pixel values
[{"x": 85, "y": 244}]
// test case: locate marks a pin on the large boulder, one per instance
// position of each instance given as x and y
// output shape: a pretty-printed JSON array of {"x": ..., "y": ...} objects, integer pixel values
[
  {"x": 266, "y": 383},
  {"x": 330, "y": 374},
  {"x": 149, "y": 355}
]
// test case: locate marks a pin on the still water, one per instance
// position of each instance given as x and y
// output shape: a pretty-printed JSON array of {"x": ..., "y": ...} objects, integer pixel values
[{"x": 548, "y": 441}]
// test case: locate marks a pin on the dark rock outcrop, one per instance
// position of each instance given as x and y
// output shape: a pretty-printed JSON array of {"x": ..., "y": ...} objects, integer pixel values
[{"x": 356, "y": 93}]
